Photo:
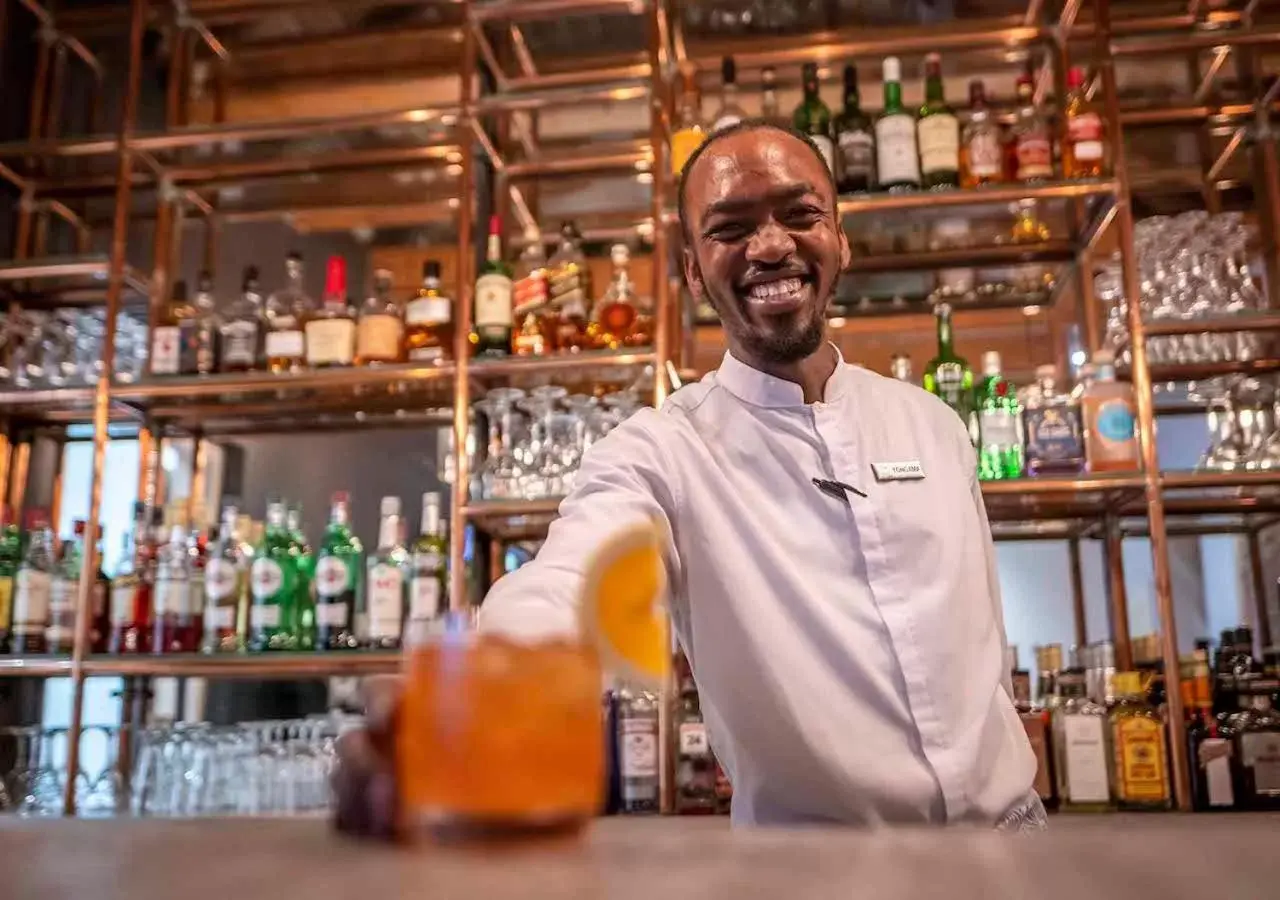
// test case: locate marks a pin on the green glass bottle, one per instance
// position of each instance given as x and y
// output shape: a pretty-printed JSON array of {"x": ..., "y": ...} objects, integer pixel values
[
  {"x": 813, "y": 118},
  {"x": 273, "y": 585},
  {"x": 10, "y": 556},
  {"x": 853, "y": 136},
  {"x": 948, "y": 374},
  {"x": 999, "y": 444},
  {"x": 897, "y": 162},
  {"x": 428, "y": 579},
  {"x": 337, "y": 579},
  {"x": 939, "y": 132},
  {"x": 304, "y": 621},
  {"x": 494, "y": 314}
]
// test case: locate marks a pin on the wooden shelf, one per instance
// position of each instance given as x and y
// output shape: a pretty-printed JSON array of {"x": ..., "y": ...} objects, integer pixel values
[
  {"x": 851, "y": 204},
  {"x": 248, "y": 665},
  {"x": 34, "y": 666}
]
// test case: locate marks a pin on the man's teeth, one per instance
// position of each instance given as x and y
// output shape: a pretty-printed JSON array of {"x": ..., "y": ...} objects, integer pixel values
[{"x": 771, "y": 289}]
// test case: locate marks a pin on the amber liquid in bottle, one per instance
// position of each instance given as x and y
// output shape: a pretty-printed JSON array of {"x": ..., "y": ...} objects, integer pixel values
[{"x": 1085, "y": 149}]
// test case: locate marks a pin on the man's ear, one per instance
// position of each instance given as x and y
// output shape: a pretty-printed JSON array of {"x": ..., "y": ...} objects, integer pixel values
[
  {"x": 693, "y": 275},
  {"x": 846, "y": 253}
]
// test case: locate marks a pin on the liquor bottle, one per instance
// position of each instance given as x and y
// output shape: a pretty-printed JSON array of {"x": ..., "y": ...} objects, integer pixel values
[
  {"x": 131, "y": 591},
  {"x": 428, "y": 580},
  {"x": 10, "y": 558},
  {"x": 492, "y": 335},
  {"x": 853, "y": 138},
  {"x": 338, "y": 569},
  {"x": 948, "y": 374},
  {"x": 208, "y": 327},
  {"x": 1254, "y": 730},
  {"x": 1080, "y": 746},
  {"x": 1028, "y": 227},
  {"x": 900, "y": 368},
  {"x": 331, "y": 332},
  {"x": 32, "y": 587},
  {"x": 99, "y": 605},
  {"x": 287, "y": 309},
  {"x": 60, "y": 635},
  {"x": 1084, "y": 154},
  {"x": 897, "y": 162},
  {"x": 304, "y": 607},
  {"x": 1032, "y": 141},
  {"x": 638, "y": 756},
  {"x": 173, "y": 340},
  {"x": 769, "y": 110},
  {"x": 688, "y": 134},
  {"x": 981, "y": 151},
  {"x": 536, "y": 322},
  {"x": 938, "y": 131},
  {"x": 1107, "y": 408},
  {"x": 272, "y": 585},
  {"x": 999, "y": 444},
  {"x": 615, "y": 312},
  {"x": 729, "y": 113},
  {"x": 1141, "y": 772},
  {"x": 569, "y": 283},
  {"x": 380, "y": 330},
  {"x": 1210, "y": 753},
  {"x": 225, "y": 588},
  {"x": 428, "y": 319},
  {"x": 174, "y": 622},
  {"x": 1053, "y": 428},
  {"x": 695, "y": 765},
  {"x": 387, "y": 581},
  {"x": 813, "y": 118},
  {"x": 242, "y": 328}
]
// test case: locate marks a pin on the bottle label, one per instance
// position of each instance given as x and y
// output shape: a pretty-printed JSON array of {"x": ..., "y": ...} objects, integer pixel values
[
  {"x": 424, "y": 598},
  {"x": 827, "y": 148},
  {"x": 31, "y": 601},
  {"x": 265, "y": 578},
  {"x": 171, "y": 597},
  {"x": 240, "y": 343},
  {"x": 998, "y": 427},
  {"x": 285, "y": 344},
  {"x": 428, "y": 311},
  {"x": 985, "y": 155},
  {"x": 166, "y": 350},
  {"x": 1035, "y": 157},
  {"x": 386, "y": 601},
  {"x": 332, "y": 615},
  {"x": 639, "y": 751},
  {"x": 896, "y": 160},
  {"x": 379, "y": 337},
  {"x": 857, "y": 154},
  {"x": 493, "y": 301},
  {"x": 1054, "y": 434},
  {"x": 331, "y": 342},
  {"x": 1084, "y": 133},
  {"x": 693, "y": 739},
  {"x": 6, "y": 600},
  {"x": 683, "y": 143},
  {"x": 220, "y": 618},
  {"x": 1086, "y": 759},
  {"x": 939, "y": 143},
  {"x": 1140, "y": 763},
  {"x": 122, "y": 599},
  {"x": 1260, "y": 751},
  {"x": 426, "y": 354},
  {"x": 264, "y": 617},
  {"x": 950, "y": 380},
  {"x": 219, "y": 579},
  {"x": 62, "y": 611},
  {"x": 332, "y": 576},
  {"x": 1214, "y": 756},
  {"x": 1114, "y": 422}
]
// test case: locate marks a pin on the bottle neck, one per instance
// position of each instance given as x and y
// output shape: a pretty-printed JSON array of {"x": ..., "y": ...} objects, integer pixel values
[
  {"x": 944, "y": 333},
  {"x": 811, "y": 92},
  {"x": 431, "y": 519},
  {"x": 892, "y": 96},
  {"x": 493, "y": 252},
  {"x": 338, "y": 514},
  {"x": 389, "y": 531},
  {"x": 933, "y": 91}
]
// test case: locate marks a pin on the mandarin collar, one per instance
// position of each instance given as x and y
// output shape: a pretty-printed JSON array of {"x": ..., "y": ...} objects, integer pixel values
[{"x": 761, "y": 389}]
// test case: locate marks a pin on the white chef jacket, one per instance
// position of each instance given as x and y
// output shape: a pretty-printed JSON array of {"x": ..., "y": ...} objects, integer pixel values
[{"x": 848, "y": 652}]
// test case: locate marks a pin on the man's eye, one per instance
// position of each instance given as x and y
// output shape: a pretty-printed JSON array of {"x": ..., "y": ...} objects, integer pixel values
[
  {"x": 802, "y": 215},
  {"x": 729, "y": 231}
]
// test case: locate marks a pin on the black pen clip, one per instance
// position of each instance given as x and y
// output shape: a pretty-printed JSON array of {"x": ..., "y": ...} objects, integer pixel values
[{"x": 837, "y": 489}]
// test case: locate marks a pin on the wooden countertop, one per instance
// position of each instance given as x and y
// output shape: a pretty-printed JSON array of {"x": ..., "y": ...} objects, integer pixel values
[{"x": 1129, "y": 857}]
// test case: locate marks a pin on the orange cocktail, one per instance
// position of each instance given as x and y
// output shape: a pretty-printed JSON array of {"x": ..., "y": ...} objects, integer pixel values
[{"x": 493, "y": 732}]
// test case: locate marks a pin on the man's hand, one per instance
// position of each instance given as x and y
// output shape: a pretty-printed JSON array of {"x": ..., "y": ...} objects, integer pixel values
[{"x": 366, "y": 801}]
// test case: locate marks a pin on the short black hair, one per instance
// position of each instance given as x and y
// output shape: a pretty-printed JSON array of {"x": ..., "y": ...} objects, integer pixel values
[{"x": 739, "y": 127}]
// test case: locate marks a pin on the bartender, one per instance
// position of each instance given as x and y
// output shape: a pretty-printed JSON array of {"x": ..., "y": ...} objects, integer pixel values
[{"x": 832, "y": 575}]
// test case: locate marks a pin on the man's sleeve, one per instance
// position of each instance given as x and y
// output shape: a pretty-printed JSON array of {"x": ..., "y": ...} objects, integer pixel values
[{"x": 623, "y": 478}]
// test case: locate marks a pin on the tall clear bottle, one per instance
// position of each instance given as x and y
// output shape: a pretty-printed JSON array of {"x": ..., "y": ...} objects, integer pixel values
[
  {"x": 131, "y": 591},
  {"x": 938, "y": 131},
  {"x": 173, "y": 620},
  {"x": 226, "y": 579},
  {"x": 639, "y": 757},
  {"x": 273, "y": 578},
  {"x": 287, "y": 309},
  {"x": 32, "y": 588},
  {"x": 428, "y": 582},
  {"x": 242, "y": 327},
  {"x": 999, "y": 441},
  {"x": 729, "y": 112},
  {"x": 854, "y": 141},
  {"x": 60, "y": 635},
  {"x": 1080, "y": 746},
  {"x": 388, "y": 581},
  {"x": 338, "y": 574},
  {"x": 981, "y": 152},
  {"x": 897, "y": 161},
  {"x": 769, "y": 110},
  {"x": 208, "y": 327},
  {"x": 813, "y": 118},
  {"x": 1032, "y": 138}
]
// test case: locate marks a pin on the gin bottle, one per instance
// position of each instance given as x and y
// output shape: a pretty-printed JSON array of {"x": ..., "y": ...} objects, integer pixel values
[
  {"x": 273, "y": 584},
  {"x": 1053, "y": 428},
  {"x": 1080, "y": 746},
  {"x": 388, "y": 581},
  {"x": 999, "y": 444},
  {"x": 948, "y": 374},
  {"x": 337, "y": 580}
]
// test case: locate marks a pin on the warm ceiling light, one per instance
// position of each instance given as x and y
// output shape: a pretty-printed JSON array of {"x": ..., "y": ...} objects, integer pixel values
[
  {"x": 644, "y": 177},
  {"x": 453, "y": 170},
  {"x": 1031, "y": 310},
  {"x": 839, "y": 322},
  {"x": 418, "y": 115},
  {"x": 453, "y": 156}
]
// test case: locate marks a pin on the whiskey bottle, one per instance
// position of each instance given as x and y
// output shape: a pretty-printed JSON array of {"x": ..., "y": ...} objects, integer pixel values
[
  {"x": 331, "y": 332},
  {"x": 1080, "y": 746},
  {"x": 428, "y": 319},
  {"x": 99, "y": 605},
  {"x": 380, "y": 331},
  {"x": 337, "y": 579},
  {"x": 173, "y": 620},
  {"x": 493, "y": 309},
  {"x": 729, "y": 112},
  {"x": 897, "y": 162},
  {"x": 1032, "y": 140},
  {"x": 428, "y": 585},
  {"x": 569, "y": 283},
  {"x": 948, "y": 375},
  {"x": 173, "y": 348},
  {"x": 208, "y": 327},
  {"x": 1141, "y": 771},
  {"x": 242, "y": 328},
  {"x": 1084, "y": 154},
  {"x": 225, "y": 582},
  {"x": 938, "y": 130},
  {"x": 287, "y": 309},
  {"x": 999, "y": 444},
  {"x": 536, "y": 321},
  {"x": 853, "y": 138},
  {"x": 615, "y": 313},
  {"x": 131, "y": 590},
  {"x": 60, "y": 634},
  {"x": 272, "y": 580},
  {"x": 387, "y": 581},
  {"x": 981, "y": 152},
  {"x": 688, "y": 134},
  {"x": 813, "y": 118},
  {"x": 32, "y": 588}
]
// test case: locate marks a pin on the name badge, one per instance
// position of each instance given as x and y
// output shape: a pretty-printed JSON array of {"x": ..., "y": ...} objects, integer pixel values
[{"x": 910, "y": 470}]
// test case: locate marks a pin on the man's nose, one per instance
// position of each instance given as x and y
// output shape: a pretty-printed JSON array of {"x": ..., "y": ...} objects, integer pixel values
[{"x": 770, "y": 244}]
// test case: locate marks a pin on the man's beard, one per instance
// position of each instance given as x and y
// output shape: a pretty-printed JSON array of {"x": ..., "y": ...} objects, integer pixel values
[{"x": 779, "y": 346}]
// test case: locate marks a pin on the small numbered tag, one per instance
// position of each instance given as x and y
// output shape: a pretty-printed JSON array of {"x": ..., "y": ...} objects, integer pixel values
[{"x": 909, "y": 470}]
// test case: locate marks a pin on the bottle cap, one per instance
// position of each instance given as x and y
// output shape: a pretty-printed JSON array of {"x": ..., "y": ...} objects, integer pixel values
[
  {"x": 728, "y": 70},
  {"x": 620, "y": 254},
  {"x": 495, "y": 224},
  {"x": 1075, "y": 77},
  {"x": 335, "y": 276},
  {"x": 991, "y": 362},
  {"x": 294, "y": 257},
  {"x": 768, "y": 76},
  {"x": 892, "y": 69},
  {"x": 431, "y": 269},
  {"x": 390, "y": 506},
  {"x": 340, "y": 497},
  {"x": 977, "y": 93}
]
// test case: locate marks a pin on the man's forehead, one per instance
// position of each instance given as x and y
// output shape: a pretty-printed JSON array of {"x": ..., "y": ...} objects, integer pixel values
[{"x": 755, "y": 162}]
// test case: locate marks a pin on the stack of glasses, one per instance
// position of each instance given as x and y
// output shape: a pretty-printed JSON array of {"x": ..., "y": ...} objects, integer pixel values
[
  {"x": 64, "y": 348},
  {"x": 34, "y": 771}
]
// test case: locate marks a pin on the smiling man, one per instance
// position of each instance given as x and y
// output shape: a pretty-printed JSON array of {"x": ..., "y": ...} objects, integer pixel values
[{"x": 831, "y": 569}]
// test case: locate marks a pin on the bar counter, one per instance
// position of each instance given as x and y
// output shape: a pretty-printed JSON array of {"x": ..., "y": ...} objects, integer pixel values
[{"x": 1131, "y": 857}]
